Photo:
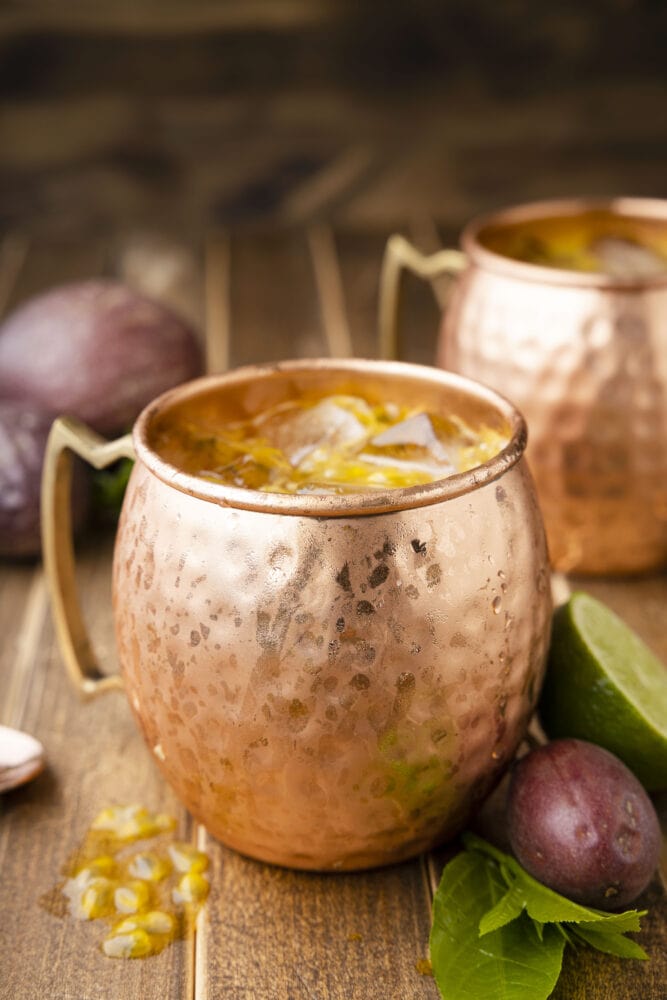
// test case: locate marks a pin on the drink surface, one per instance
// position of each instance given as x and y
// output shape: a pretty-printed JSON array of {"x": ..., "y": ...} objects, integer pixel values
[
  {"x": 602, "y": 242},
  {"x": 329, "y": 444}
]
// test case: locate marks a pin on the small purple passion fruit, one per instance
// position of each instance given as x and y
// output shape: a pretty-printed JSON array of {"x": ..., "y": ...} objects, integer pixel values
[
  {"x": 95, "y": 350},
  {"x": 24, "y": 429},
  {"x": 582, "y": 824}
]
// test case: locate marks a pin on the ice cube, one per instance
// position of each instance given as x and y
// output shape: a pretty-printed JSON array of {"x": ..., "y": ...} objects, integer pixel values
[
  {"x": 623, "y": 258},
  {"x": 328, "y": 424},
  {"x": 417, "y": 430}
]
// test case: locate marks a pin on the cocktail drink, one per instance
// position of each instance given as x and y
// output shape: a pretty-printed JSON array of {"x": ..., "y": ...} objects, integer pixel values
[
  {"x": 332, "y": 603},
  {"x": 598, "y": 241},
  {"x": 333, "y": 444},
  {"x": 562, "y": 307}
]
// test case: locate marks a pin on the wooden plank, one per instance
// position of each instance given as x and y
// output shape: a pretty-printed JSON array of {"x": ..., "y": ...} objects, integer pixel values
[
  {"x": 274, "y": 307},
  {"x": 54, "y": 262},
  {"x": 217, "y": 328},
  {"x": 590, "y": 975},
  {"x": 330, "y": 291},
  {"x": 164, "y": 266},
  {"x": 361, "y": 256},
  {"x": 96, "y": 757},
  {"x": 23, "y": 609},
  {"x": 316, "y": 937},
  {"x": 13, "y": 252}
]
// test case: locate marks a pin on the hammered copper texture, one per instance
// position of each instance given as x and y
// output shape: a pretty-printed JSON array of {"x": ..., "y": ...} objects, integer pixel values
[
  {"x": 588, "y": 368},
  {"x": 332, "y": 692}
]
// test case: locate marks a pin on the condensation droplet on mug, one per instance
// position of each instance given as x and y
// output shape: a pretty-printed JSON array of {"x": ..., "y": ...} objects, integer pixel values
[
  {"x": 495, "y": 604},
  {"x": 405, "y": 682}
]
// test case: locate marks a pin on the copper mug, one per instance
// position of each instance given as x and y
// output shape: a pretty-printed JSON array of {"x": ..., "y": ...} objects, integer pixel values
[
  {"x": 584, "y": 356},
  {"x": 327, "y": 682}
]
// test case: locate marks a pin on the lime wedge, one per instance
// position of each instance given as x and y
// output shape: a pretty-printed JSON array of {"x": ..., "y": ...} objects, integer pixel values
[{"x": 603, "y": 684}]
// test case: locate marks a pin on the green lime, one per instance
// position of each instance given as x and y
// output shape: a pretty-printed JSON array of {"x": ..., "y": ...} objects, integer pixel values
[{"x": 604, "y": 685}]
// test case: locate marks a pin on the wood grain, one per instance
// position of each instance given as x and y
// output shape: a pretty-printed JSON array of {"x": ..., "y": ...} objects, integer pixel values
[
  {"x": 266, "y": 932},
  {"x": 275, "y": 934},
  {"x": 330, "y": 292},
  {"x": 217, "y": 328},
  {"x": 96, "y": 758},
  {"x": 589, "y": 975},
  {"x": 275, "y": 313}
]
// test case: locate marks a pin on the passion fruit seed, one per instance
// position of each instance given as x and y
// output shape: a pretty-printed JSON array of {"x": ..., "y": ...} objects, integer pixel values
[
  {"x": 136, "y": 944},
  {"x": 96, "y": 900},
  {"x": 157, "y": 892},
  {"x": 132, "y": 822},
  {"x": 153, "y": 922},
  {"x": 132, "y": 897},
  {"x": 149, "y": 866},
  {"x": 187, "y": 858},
  {"x": 192, "y": 888}
]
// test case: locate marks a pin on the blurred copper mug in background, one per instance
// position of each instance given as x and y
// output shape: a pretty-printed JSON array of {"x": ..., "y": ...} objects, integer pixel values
[
  {"x": 327, "y": 681},
  {"x": 582, "y": 353}
]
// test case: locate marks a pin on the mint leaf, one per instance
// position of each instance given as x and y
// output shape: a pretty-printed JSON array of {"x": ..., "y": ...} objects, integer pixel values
[
  {"x": 108, "y": 488},
  {"x": 610, "y": 942},
  {"x": 509, "y": 963},
  {"x": 619, "y": 922},
  {"x": 508, "y": 908},
  {"x": 545, "y": 905}
]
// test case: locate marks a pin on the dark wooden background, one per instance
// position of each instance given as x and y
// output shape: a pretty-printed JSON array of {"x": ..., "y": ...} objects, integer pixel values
[{"x": 192, "y": 114}]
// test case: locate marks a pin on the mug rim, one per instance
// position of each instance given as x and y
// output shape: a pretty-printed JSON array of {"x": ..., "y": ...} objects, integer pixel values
[
  {"x": 650, "y": 208},
  {"x": 331, "y": 504}
]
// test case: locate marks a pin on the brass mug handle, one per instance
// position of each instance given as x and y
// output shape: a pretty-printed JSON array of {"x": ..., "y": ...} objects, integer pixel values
[
  {"x": 70, "y": 436},
  {"x": 399, "y": 254}
]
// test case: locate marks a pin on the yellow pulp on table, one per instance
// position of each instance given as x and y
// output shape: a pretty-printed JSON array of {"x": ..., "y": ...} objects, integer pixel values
[
  {"x": 333, "y": 444},
  {"x": 148, "y": 894}
]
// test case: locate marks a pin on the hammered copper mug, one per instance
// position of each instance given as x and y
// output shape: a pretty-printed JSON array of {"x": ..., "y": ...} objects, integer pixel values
[
  {"x": 584, "y": 356},
  {"x": 327, "y": 682}
]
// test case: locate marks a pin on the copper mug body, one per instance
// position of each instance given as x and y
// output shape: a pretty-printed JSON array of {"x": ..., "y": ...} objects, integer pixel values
[
  {"x": 327, "y": 682},
  {"x": 584, "y": 356}
]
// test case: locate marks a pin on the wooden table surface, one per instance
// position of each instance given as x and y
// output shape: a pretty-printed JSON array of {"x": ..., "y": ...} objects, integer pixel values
[{"x": 266, "y": 932}]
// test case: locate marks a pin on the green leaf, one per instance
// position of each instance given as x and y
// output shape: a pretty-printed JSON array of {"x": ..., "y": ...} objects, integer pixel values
[
  {"x": 508, "y": 908},
  {"x": 610, "y": 942},
  {"x": 547, "y": 906},
  {"x": 509, "y": 963},
  {"x": 108, "y": 487},
  {"x": 619, "y": 922}
]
